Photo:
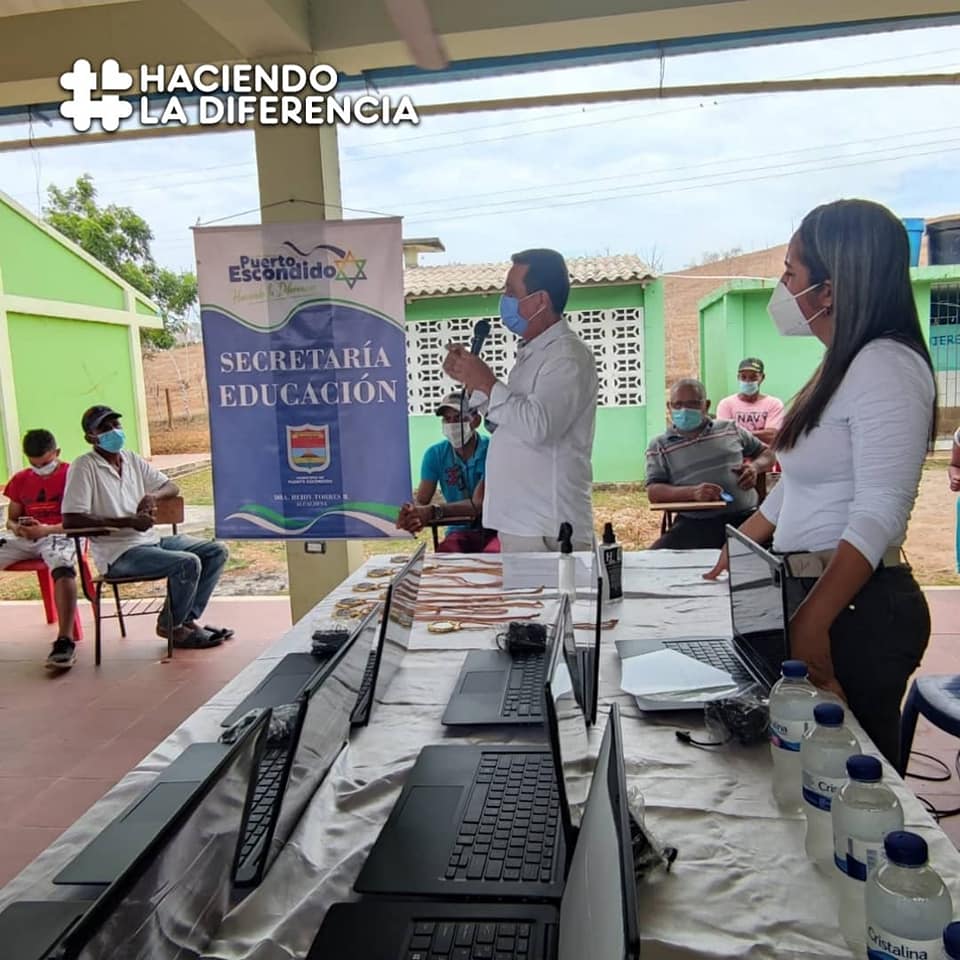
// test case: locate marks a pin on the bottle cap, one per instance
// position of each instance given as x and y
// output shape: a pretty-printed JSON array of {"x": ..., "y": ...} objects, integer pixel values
[
  {"x": 793, "y": 668},
  {"x": 865, "y": 769},
  {"x": 951, "y": 939},
  {"x": 905, "y": 849},
  {"x": 608, "y": 536},
  {"x": 828, "y": 714},
  {"x": 566, "y": 536}
]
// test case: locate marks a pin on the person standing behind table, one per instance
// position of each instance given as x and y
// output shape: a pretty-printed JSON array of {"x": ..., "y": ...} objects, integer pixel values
[
  {"x": 757, "y": 412},
  {"x": 852, "y": 448},
  {"x": 539, "y": 470}
]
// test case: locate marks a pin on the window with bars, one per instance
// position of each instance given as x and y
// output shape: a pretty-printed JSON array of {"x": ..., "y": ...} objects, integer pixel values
[
  {"x": 615, "y": 336},
  {"x": 945, "y": 341}
]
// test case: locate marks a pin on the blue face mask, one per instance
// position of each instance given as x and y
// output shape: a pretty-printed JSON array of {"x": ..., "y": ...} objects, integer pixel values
[
  {"x": 112, "y": 440},
  {"x": 749, "y": 387},
  {"x": 686, "y": 419},
  {"x": 510, "y": 315}
]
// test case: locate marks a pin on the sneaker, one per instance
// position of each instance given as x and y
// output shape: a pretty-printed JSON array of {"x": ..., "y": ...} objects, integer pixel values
[{"x": 63, "y": 655}]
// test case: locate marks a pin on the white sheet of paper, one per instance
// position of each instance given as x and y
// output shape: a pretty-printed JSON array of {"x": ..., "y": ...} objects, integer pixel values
[{"x": 668, "y": 671}]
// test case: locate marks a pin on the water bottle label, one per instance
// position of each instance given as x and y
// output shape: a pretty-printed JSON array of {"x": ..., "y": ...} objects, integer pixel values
[
  {"x": 882, "y": 945},
  {"x": 787, "y": 734},
  {"x": 856, "y": 858},
  {"x": 820, "y": 791}
]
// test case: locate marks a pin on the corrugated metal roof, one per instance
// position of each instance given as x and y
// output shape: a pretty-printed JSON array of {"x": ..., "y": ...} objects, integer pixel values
[{"x": 488, "y": 277}]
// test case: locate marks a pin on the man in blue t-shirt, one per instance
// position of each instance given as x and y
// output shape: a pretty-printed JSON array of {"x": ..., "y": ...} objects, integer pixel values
[{"x": 457, "y": 464}]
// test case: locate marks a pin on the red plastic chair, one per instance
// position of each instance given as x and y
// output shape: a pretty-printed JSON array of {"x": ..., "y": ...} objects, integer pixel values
[{"x": 46, "y": 591}]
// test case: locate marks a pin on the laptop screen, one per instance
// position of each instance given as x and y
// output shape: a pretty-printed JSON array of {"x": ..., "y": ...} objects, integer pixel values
[
  {"x": 757, "y": 605},
  {"x": 401, "y": 608},
  {"x": 326, "y": 727},
  {"x": 571, "y": 729},
  {"x": 182, "y": 889},
  {"x": 598, "y": 912}
]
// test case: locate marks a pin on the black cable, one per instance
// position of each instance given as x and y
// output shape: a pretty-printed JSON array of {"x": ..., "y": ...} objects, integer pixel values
[
  {"x": 934, "y": 811},
  {"x": 684, "y": 736},
  {"x": 936, "y": 760}
]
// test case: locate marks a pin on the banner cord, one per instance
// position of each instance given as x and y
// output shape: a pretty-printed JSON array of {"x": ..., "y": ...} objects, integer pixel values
[{"x": 279, "y": 203}]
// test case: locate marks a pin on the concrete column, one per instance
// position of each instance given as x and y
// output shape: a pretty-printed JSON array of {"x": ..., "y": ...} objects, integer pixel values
[{"x": 302, "y": 162}]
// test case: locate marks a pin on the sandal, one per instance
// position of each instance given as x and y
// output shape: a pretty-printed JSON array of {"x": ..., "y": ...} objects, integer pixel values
[
  {"x": 224, "y": 633},
  {"x": 198, "y": 640}
]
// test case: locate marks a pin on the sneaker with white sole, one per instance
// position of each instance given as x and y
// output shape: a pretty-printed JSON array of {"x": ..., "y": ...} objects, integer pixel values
[{"x": 63, "y": 655}]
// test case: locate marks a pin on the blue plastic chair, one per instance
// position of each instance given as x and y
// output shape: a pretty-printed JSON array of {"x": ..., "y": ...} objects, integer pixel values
[{"x": 938, "y": 699}]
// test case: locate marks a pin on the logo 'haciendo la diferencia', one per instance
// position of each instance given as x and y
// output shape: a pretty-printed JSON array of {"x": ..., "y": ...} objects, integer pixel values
[{"x": 229, "y": 94}]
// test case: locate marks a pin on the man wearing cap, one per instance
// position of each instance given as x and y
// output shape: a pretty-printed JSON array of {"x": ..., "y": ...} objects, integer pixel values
[
  {"x": 116, "y": 488},
  {"x": 457, "y": 464},
  {"x": 759, "y": 413}
]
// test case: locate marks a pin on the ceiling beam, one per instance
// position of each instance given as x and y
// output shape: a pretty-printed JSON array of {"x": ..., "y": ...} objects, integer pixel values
[
  {"x": 16, "y": 8},
  {"x": 412, "y": 21},
  {"x": 259, "y": 28}
]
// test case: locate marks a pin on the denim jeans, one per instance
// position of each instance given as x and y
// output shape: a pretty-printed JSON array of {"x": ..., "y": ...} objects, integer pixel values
[{"x": 192, "y": 568}]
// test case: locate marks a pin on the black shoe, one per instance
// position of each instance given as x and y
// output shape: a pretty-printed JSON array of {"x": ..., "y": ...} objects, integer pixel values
[
  {"x": 63, "y": 655},
  {"x": 198, "y": 640}
]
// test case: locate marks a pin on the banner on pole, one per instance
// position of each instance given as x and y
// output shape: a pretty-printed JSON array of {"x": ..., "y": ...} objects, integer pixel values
[{"x": 305, "y": 357}]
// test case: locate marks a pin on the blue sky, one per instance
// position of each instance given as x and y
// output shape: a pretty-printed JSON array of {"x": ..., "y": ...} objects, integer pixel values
[{"x": 673, "y": 179}]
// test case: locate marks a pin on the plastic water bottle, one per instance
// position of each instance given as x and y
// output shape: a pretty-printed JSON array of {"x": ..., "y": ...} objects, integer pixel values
[
  {"x": 951, "y": 941},
  {"x": 824, "y": 752},
  {"x": 863, "y": 812},
  {"x": 792, "y": 700},
  {"x": 907, "y": 903}
]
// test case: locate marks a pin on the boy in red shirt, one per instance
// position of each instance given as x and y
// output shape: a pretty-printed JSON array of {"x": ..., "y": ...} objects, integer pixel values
[{"x": 34, "y": 518}]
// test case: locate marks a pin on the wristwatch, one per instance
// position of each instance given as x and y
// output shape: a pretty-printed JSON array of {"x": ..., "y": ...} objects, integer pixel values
[{"x": 437, "y": 512}]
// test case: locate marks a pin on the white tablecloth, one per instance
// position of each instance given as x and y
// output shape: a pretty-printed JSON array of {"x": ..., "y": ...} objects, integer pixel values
[{"x": 741, "y": 886}]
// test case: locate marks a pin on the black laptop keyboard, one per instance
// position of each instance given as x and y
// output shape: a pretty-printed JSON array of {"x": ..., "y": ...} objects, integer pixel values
[
  {"x": 524, "y": 696},
  {"x": 269, "y": 774},
  {"x": 509, "y": 831},
  {"x": 447, "y": 939},
  {"x": 368, "y": 674},
  {"x": 716, "y": 654}
]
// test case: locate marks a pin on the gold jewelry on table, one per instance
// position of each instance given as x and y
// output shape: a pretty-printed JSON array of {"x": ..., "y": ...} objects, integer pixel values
[
  {"x": 381, "y": 572},
  {"x": 400, "y": 558},
  {"x": 443, "y": 626},
  {"x": 604, "y": 625}
]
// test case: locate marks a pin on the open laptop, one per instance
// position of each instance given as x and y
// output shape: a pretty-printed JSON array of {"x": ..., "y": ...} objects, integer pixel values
[
  {"x": 112, "y": 852},
  {"x": 498, "y": 688},
  {"x": 170, "y": 899},
  {"x": 293, "y": 766},
  {"x": 392, "y": 640},
  {"x": 491, "y": 821},
  {"x": 289, "y": 678},
  {"x": 761, "y": 603},
  {"x": 597, "y": 917}
]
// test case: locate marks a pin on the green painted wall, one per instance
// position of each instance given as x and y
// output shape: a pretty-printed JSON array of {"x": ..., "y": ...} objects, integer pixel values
[
  {"x": 4, "y": 472},
  {"x": 622, "y": 432},
  {"x": 34, "y": 264},
  {"x": 91, "y": 364},
  {"x": 734, "y": 324}
]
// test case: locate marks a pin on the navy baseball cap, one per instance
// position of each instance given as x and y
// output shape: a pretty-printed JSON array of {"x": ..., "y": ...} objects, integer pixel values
[{"x": 95, "y": 416}]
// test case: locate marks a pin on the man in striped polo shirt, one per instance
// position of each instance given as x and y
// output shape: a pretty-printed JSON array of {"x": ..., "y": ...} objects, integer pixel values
[{"x": 702, "y": 460}]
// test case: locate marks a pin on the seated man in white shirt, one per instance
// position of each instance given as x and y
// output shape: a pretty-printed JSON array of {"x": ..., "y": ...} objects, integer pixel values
[
  {"x": 539, "y": 472},
  {"x": 113, "y": 487}
]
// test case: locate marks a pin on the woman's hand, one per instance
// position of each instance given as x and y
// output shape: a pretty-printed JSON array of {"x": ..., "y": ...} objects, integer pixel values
[
  {"x": 721, "y": 566},
  {"x": 810, "y": 642}
]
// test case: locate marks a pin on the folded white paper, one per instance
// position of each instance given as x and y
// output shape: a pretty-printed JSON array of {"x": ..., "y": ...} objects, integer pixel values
[{"x": 668, "y": 671}]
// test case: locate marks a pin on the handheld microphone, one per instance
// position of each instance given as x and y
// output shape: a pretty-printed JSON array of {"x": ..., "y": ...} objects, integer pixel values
[{"x": 481, "y": 331}]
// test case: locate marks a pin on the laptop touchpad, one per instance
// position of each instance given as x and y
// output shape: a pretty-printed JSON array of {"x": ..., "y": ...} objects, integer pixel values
[
  {"x": 483, "y": 681},
  {"x": 426, "y": 807}
]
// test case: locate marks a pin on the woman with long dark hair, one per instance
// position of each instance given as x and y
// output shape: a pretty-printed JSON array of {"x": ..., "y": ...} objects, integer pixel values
[{"x": 851, "y": 449}]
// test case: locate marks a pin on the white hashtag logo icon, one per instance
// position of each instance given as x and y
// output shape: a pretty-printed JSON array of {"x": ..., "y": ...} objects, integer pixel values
[{"x": 82, "y": 107}]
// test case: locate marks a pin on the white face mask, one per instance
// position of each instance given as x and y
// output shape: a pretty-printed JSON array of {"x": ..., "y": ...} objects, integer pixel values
[
  {"x": 452, "y": 431},
  {"x": 46, "y": 469},
  {"x": 786, "y": 313}
]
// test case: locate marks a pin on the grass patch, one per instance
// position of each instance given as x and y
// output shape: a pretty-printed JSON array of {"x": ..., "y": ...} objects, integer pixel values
[{"x": 196, "y": 488}]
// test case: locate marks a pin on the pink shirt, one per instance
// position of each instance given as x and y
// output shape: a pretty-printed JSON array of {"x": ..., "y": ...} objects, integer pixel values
[{"x": 764, "y": 413}]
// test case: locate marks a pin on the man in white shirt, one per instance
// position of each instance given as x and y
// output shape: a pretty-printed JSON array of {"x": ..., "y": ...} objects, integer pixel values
[
  {"x": 539, "y": 472},
  {"x": 116, "y": 488}
]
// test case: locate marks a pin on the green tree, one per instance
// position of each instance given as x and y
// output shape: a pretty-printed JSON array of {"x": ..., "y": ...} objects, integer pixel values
[{"x": 120, "y": 239}]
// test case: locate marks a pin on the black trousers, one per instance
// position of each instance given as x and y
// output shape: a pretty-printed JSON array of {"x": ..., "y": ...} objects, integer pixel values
[
  {"x": 703, "y": 534},
  {"x": 876, "y": 644}
]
